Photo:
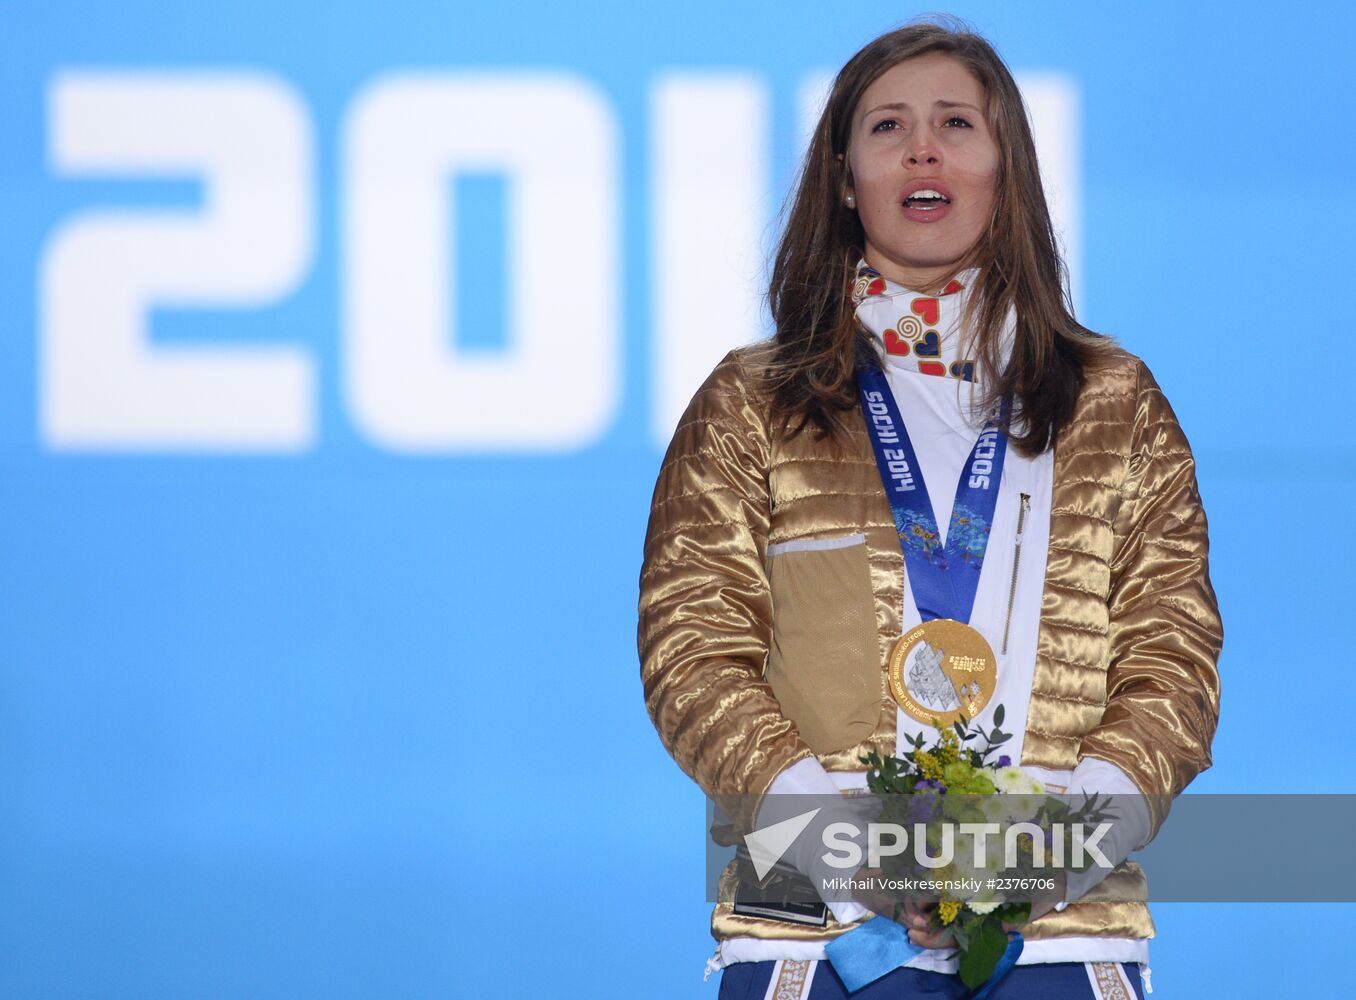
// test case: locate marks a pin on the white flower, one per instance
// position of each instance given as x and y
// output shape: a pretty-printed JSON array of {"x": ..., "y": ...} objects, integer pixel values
[
  {"x": 1015, "y": 781},
  {"x": 996, "y": 810},
  {"x": 983, "y": 906}
]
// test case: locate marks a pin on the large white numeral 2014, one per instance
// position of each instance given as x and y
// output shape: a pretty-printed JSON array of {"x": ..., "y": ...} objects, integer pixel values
[{"x": 103, "y": 383}]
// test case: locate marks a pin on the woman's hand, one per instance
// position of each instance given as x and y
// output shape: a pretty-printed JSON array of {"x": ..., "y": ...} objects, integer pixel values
[
  {"x": 917, "y": 917},
  {"x": 914, "y": 912}
]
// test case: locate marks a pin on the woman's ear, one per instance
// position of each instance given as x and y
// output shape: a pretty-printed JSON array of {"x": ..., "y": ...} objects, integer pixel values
[{"x": 849, "y": 195}]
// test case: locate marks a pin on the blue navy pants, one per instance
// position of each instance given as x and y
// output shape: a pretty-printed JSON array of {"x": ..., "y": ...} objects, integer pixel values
[{"x": 1054, "y": 981}]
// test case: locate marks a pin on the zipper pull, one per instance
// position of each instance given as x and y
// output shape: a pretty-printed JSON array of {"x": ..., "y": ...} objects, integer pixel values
[{"x": 1024, "y": 505}]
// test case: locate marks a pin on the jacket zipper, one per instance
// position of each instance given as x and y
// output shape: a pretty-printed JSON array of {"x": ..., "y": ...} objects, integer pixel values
[{"x": 1023, "y": 507}]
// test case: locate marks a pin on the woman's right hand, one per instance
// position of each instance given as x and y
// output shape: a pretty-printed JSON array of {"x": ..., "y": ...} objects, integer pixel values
[
  {"x": 913, "y": 912},
  {"x": 916, "y": 915}
]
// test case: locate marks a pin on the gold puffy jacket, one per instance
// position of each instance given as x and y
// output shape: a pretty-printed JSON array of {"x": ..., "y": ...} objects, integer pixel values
[{"x": 1129, "y": 635}]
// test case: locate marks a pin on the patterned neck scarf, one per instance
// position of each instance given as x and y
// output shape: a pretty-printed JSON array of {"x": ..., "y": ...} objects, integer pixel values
[{"x": 920, "y": 333}]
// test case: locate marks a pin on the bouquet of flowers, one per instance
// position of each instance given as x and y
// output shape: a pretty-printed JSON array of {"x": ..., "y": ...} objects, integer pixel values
[{"x": 962, "y": 778}]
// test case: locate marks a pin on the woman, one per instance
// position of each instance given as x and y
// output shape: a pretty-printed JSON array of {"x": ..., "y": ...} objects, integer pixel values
[{"x": 919, "y": 274}]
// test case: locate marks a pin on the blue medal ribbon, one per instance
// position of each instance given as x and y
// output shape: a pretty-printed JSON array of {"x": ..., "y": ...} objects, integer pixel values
[
  {"x": 944, "y": 578},
  {"x": 1010, "y": 955}
]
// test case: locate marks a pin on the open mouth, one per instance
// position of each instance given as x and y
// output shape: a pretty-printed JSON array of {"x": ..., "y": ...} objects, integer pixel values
[{"x": 926, "y": 198}]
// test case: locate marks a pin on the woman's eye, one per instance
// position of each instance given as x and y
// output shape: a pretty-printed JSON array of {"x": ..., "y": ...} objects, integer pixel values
[
  {"x": 889, "y": 124},
  {"x": 957, "y": 120}
]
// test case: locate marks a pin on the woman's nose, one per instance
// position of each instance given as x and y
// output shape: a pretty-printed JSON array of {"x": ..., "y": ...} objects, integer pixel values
[{"x": 921, "y": 149}]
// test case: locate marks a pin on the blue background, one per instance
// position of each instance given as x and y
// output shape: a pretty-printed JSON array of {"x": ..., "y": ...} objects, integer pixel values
[{"x": 266, "y": 722}]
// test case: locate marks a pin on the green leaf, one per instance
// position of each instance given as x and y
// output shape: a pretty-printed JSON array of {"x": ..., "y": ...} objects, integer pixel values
[
  {"x": 961, "y": 934},
  {"x": 987, "y": 944},
  {"x": 998, "y": 716}
]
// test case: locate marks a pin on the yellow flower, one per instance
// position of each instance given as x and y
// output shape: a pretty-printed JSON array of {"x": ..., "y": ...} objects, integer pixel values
[
  {"x": 947, "y": 910},
  {"x": 948, "y": 749},
  {"x": 929, "y": 765}
]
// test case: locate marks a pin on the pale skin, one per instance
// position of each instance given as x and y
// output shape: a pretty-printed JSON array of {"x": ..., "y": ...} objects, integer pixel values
[
  {"x": 921, "y": 122},
  {"x": 921, "y": 125}
]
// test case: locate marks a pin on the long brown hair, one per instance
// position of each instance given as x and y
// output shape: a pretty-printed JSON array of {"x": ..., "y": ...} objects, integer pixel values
[{"x": 817, "y": 345}]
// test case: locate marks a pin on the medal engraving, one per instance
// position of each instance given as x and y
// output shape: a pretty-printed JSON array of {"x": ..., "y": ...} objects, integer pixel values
[{"x": 941, "y": 670}]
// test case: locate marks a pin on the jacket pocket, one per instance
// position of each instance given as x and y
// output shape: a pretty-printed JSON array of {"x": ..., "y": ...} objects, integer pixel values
[{"x": 825, "y": 662}]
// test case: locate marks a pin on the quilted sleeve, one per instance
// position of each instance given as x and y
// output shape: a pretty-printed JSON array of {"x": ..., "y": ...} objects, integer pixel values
[
  {"x": 1165, "y": 629},
  {"x": 705, "y": 607}
]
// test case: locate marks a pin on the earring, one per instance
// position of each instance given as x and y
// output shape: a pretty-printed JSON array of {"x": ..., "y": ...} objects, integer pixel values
[{"x": 850, "y": 201}]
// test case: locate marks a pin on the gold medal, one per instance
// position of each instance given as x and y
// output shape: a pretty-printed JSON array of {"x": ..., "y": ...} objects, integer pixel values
[{"x": 942, "y": 669}]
